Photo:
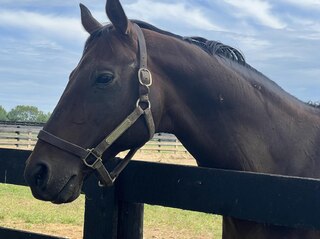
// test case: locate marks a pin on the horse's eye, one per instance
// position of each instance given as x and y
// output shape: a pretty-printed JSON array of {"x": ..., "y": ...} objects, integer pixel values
[{"x": 104, "y": 78}]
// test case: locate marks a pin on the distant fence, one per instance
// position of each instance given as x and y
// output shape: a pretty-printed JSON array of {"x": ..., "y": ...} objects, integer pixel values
[
  {"x": 20, "y": 135},
  {"x": 23, "y": 135}
]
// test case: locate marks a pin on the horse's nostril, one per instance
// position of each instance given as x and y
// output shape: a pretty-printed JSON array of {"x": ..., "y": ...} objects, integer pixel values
[{"x": 41, "y": 176}]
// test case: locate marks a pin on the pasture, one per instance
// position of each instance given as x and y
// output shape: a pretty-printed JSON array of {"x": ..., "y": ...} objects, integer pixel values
[{"x": 20, "y": 210}]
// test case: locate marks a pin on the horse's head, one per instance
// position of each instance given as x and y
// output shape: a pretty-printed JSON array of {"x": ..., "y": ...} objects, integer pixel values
[{"x": 107, "y": 92}]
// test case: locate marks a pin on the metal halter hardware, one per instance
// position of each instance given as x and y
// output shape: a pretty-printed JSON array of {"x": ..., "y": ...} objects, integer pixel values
[{"x": 92, "y": 158}]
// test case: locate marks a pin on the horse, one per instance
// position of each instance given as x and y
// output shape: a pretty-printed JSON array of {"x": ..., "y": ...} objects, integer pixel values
[{"x": 134, "y": 79}]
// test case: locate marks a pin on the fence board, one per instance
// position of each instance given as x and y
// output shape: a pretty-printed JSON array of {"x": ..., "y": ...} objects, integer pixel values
[
  {"x": 6, "y": 233},
  {"x": 278, "y": 200},
  {"x": 18, "y": 137},
  {"x": 12, "y": 163},
  {"x": 22, "y": 129}
]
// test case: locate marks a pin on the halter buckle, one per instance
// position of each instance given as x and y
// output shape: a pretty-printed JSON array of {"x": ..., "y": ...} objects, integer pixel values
[{"x": 145, "y": 77}]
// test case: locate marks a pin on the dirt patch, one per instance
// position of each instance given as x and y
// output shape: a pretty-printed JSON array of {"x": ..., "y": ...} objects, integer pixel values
[
  {"x": 167, "y": 233},
  {"x": 76, "y": 232},
  {"x": 169, "y": 158}
]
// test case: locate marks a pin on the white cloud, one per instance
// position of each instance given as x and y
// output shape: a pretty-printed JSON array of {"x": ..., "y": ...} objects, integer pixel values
[
  {"x": 176, "y": 12},
  {"x": 254, "y": 42},
  {"x": 308, "y": 4},
  {"x": 304, "y": 27},
  {"x": 61, "y": 27},
  {"x": 259, "y": 10}
]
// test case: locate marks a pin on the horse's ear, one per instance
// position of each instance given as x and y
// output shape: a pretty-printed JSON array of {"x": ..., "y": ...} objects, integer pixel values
[
  {"x": 117, "y": 16},
  {"x": 88, "y": 22}
]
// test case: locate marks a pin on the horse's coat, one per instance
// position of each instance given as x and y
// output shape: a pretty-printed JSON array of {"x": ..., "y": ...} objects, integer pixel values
[{"x": 227, "y": 114}]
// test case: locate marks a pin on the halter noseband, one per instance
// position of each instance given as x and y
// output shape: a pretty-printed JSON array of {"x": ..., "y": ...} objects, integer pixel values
[{"x": 86, "y": 155}]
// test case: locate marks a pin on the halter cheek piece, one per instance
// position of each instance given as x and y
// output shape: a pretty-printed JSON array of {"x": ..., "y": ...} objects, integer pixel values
[{"x": 92, "y": 158}]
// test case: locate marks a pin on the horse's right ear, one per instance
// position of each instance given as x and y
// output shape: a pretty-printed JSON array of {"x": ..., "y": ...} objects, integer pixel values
[
  {"x": 88, "y": 22},
  {"x": 117, "y": 16}
]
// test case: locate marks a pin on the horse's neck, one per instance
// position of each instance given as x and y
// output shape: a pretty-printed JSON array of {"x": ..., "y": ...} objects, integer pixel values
[{"x": 227, "y": 121}]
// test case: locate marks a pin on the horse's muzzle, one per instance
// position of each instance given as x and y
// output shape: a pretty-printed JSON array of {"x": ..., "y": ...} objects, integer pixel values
[{"x": 44, "y": 186}]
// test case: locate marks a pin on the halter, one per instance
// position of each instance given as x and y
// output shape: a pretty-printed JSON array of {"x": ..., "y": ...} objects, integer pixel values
[{"x": 92, "y": 158}]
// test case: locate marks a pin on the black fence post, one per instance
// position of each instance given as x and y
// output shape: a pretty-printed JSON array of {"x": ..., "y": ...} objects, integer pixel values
[
  {"x": 108, "y": 218},
  {"x": 101, "y": 213},
  {"x": 130, "y": 220}
]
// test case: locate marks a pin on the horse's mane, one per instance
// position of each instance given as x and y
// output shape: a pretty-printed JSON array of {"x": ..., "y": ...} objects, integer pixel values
[
  {"x": 314, "y": 104},
  {"x": 209, "y": 46}
]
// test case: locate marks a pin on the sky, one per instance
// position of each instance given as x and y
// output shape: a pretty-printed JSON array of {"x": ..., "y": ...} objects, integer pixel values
[{"x": 42, "y": 41}]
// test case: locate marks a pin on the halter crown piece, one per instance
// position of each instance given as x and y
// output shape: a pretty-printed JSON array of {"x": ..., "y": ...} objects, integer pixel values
[{"x": 92, "y": 158}]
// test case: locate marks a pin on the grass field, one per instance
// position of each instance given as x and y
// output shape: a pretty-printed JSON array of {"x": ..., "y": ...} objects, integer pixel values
[{"x": 20, "y": 210}]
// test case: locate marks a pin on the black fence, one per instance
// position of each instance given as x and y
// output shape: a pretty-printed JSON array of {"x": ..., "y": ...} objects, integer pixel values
[{"x": 117, "y": 212}]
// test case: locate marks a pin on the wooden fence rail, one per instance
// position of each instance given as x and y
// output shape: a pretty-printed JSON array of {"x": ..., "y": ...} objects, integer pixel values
[
  {"x": 24, "y": 136},
  {"x": 18, "y": 136},
  {"x": 117, "y": 212}
]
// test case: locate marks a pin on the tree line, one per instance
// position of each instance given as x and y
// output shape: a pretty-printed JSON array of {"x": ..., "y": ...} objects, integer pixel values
[{"x": 24, "y": 113}]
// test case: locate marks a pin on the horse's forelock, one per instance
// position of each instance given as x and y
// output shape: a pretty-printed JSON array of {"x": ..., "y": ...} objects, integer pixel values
[{"x": 98, "y": 33}]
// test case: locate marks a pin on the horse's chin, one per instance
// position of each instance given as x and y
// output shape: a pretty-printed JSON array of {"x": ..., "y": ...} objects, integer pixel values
[
  {"x": 66, "y": 198},
  {"x": 69, "y": 192},
  {"x": 65, "y": 193}
]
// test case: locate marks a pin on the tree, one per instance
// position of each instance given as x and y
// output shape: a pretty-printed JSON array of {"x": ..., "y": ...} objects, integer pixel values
[
  {"x": 28, "y": 114},
  {"x": 3, "y": 114}
]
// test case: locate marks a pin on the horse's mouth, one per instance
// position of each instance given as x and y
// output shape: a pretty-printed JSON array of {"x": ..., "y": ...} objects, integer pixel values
[{"x": 69, "y": 192}]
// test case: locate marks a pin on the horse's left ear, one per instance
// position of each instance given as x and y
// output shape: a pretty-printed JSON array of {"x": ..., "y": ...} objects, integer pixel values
[
  {"x": 88, "y": 22},
  {"x": 117, "y": 16}
]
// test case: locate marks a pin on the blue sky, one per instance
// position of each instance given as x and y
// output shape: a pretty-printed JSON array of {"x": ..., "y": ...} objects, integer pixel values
[{"x": 42, "y": 41}]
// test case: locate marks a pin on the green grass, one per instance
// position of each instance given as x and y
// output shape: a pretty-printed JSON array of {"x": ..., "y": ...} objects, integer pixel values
[
  {"x": 180, "y": 224},
  {"x": 19, "y": 209},
  {"x": 17, "y": 204}
]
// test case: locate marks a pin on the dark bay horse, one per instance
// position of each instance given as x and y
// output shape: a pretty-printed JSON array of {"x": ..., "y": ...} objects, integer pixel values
[{"x": 134, "y": 79}]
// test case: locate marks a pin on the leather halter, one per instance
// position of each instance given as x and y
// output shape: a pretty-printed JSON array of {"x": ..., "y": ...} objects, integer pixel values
[{"x": 92, "y": 158}]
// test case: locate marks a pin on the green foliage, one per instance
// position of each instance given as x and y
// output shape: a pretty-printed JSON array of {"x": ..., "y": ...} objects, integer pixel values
[
  {"x": 27, "y": 113},
  {"x": 3, "y": 114}
]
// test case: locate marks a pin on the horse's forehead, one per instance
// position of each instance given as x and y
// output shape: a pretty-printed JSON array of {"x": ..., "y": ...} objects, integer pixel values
[
  {"x": 107, "y": 51},
  {"x": 108, "y": 45}
]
